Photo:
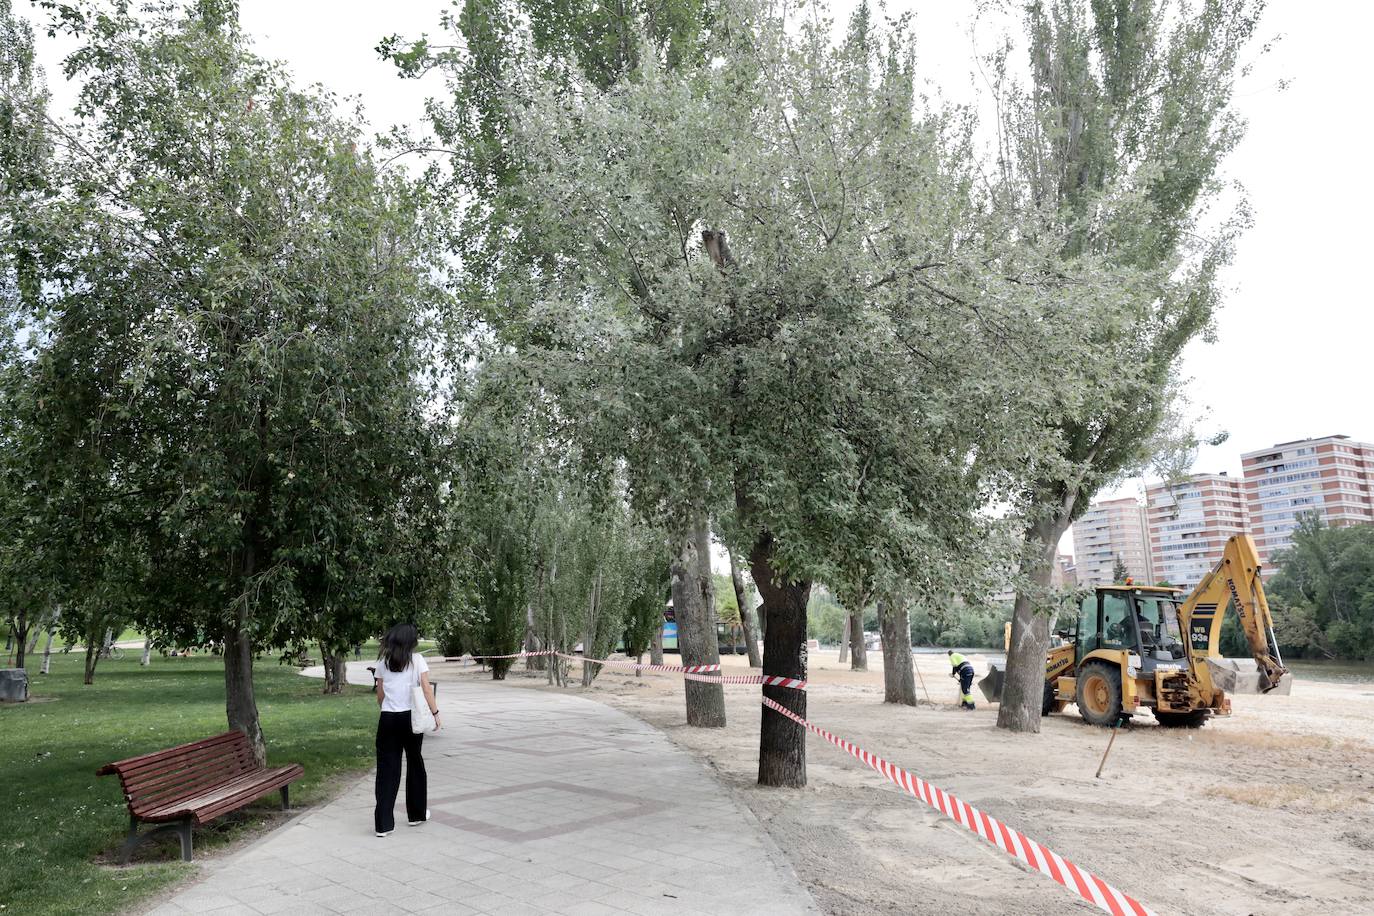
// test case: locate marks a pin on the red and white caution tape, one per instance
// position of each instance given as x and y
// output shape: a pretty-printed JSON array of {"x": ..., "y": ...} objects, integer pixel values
[
  {"x": 1014, "y": 843},
  {"x": 676, "y": 669},
  {"x": 479, "y": 658},
  {"x": 768, "y": 680}
]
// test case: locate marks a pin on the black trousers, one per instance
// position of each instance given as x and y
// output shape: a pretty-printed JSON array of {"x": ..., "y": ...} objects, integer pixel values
[{"x": 393, "y": 737}]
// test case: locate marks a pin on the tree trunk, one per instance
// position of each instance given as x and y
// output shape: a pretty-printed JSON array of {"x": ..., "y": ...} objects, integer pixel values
[
  {"x": 34, "y": 633},
  {"x": 746, "y": 612},
  {"x": 92, "y": 648},
  {"x": 782, "y": 743},
  {"x": 1023, "y": 689},
  {"x": 240, "y": 705},
  {"x": 21, "y": 640},
  {"x": 589, "y": 635},
  {"x": 695, "y": 611},
  {"x": 844, "y": 640},
  {"x": 858, "y": 649},
  {"x": 147, "y": 658},
  {"x": 335, "y": 671},
  {"x": 656, "y": 647},
  {"x": 533, "y": 662},
  {"x": 47, "y": 650},
  {"x": 108, "y": 643},
  {"x": 899, "y": 680}
]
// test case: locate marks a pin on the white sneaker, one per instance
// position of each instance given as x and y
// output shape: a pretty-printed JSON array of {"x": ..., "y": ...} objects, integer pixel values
[
  {"x": 418, "y": 823},
  {"x": 385, "y": 832}
]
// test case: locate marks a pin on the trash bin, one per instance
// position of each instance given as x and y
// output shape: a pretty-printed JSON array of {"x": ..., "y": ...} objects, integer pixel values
[{"x": 14, "y": 685}]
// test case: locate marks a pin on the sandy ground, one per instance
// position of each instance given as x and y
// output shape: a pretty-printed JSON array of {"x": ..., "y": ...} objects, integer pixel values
[{"x": 1268, "y": 812}]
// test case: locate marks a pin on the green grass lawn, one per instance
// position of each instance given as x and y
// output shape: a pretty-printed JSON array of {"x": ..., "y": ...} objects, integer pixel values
[{"x": 57, "y": 817}]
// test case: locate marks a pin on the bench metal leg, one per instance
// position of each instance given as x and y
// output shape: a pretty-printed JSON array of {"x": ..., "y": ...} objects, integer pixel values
[
  {"x": 131, "y": 842},
  {"x": 184, "y": 831},
  {"x": 286, "y": 798}
]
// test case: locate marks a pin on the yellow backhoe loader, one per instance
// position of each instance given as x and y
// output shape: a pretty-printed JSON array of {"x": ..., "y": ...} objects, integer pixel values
[{"x": 1135, "y": 648}]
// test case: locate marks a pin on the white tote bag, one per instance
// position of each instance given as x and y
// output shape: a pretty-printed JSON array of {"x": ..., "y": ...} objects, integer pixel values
[{"x": 421, "y": 719}]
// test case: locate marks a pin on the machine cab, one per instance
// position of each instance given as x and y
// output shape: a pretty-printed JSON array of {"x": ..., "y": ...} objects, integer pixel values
[{"x": 1141, "y": 621}]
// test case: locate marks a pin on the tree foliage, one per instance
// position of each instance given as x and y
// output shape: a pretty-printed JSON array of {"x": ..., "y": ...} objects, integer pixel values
[
  {"x": 237, "y": 375},
  {"x": 1323, "y": 593}
]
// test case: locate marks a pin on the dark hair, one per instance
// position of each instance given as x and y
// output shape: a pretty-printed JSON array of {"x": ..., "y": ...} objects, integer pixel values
[{"x": 397, "y": 645}]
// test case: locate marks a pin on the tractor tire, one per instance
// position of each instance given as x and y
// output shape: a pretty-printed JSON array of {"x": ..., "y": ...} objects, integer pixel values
[
  {"x": 1193, "y": 719},
  {"x": 1099, "y": 694},
  {"x": 1050, "y": 701}
]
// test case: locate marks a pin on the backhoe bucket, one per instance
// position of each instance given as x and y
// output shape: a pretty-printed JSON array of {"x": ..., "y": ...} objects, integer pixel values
[
  {"x": 992, "y": 684},
  {"x": 1243, "y": 676}
]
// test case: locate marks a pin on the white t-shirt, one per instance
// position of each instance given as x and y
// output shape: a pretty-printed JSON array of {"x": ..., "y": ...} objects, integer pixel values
[{"x": 397, "y": 685}]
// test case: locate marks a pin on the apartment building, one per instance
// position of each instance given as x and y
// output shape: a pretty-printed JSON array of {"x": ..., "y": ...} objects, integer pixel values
[
  {"x": 1332, "y": 476},
  {"x": 1189, "y": 524},
  {"x": 1110, "y": 530}
]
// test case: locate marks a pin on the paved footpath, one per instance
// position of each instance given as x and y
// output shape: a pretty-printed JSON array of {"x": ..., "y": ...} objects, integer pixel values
[{"x": 541, "y": 803}]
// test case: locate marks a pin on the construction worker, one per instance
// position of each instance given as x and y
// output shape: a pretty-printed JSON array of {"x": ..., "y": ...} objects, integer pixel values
[{"x": 962, "y": 668}]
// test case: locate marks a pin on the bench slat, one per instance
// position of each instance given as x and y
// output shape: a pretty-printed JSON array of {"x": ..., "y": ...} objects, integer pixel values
[
  {"x": 179, "y": 758},
  {"x": 228, "y": 796},
  {"x": 133, "y": 763},
  {"x": 183, "y": 786},
  {"x": 187, "y": 768},
  {"x": 152, "y": 781}
]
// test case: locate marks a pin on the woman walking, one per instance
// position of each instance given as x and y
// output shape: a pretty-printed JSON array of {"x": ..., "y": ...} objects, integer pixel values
[{"x": 400, "y": 671}]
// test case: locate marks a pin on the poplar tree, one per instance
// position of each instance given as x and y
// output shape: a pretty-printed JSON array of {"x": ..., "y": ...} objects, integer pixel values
[{"x": 1110, "y": 155}]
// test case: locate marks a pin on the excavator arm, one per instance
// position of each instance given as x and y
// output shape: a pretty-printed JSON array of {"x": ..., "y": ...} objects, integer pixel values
[{"x": 1235, "y": 582}]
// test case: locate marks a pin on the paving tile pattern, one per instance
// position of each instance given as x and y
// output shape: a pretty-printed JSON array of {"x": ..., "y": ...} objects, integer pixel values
[{"x": 541, "y": 803}]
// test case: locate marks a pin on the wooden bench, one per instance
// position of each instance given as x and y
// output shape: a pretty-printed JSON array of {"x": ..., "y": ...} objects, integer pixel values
[{"x": 192, "y": 784}]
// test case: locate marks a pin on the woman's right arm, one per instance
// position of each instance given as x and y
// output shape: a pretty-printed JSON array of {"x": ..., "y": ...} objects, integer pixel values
[{"x": 380, "y": 691}]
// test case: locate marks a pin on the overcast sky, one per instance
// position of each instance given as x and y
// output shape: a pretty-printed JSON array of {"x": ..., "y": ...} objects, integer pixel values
[{"x": 1296, "y": 334}]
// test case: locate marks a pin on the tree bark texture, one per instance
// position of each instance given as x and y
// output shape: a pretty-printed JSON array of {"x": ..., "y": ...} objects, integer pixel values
[
  {"x": 656, "y": 647},
  {"x": 858, "y": 650},
  {"x": 92, "y": 648},
  {"x": 21, "y": 640},
  {"x": 782, "y": 742},
  {"x": 590, "y": 671},
  {"x": 746, "y": 612},
  {"x": 844, "y": 640},
  {"x": 1023, "y": 690},
  {"x": 533, "y": 662},
  {"x": 47, "y": 649},
  {"x": 34, "y": 633},
  {"x": 335, "y": 671},
  {"x": 694, "y": 608},
  {"x": 899, "y": 679},
  {"x": 240, "y": 704}
]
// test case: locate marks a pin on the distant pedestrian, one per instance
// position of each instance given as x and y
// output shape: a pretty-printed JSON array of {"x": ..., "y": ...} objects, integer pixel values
[
  {"x": 400, "y": 671},
  {"x": 962, "y": 668}
]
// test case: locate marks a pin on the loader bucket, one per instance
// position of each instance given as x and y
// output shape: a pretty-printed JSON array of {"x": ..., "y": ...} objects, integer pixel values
[
  {"x": 1243, "y": 676},
  {"x": 992, "y": 684}
]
